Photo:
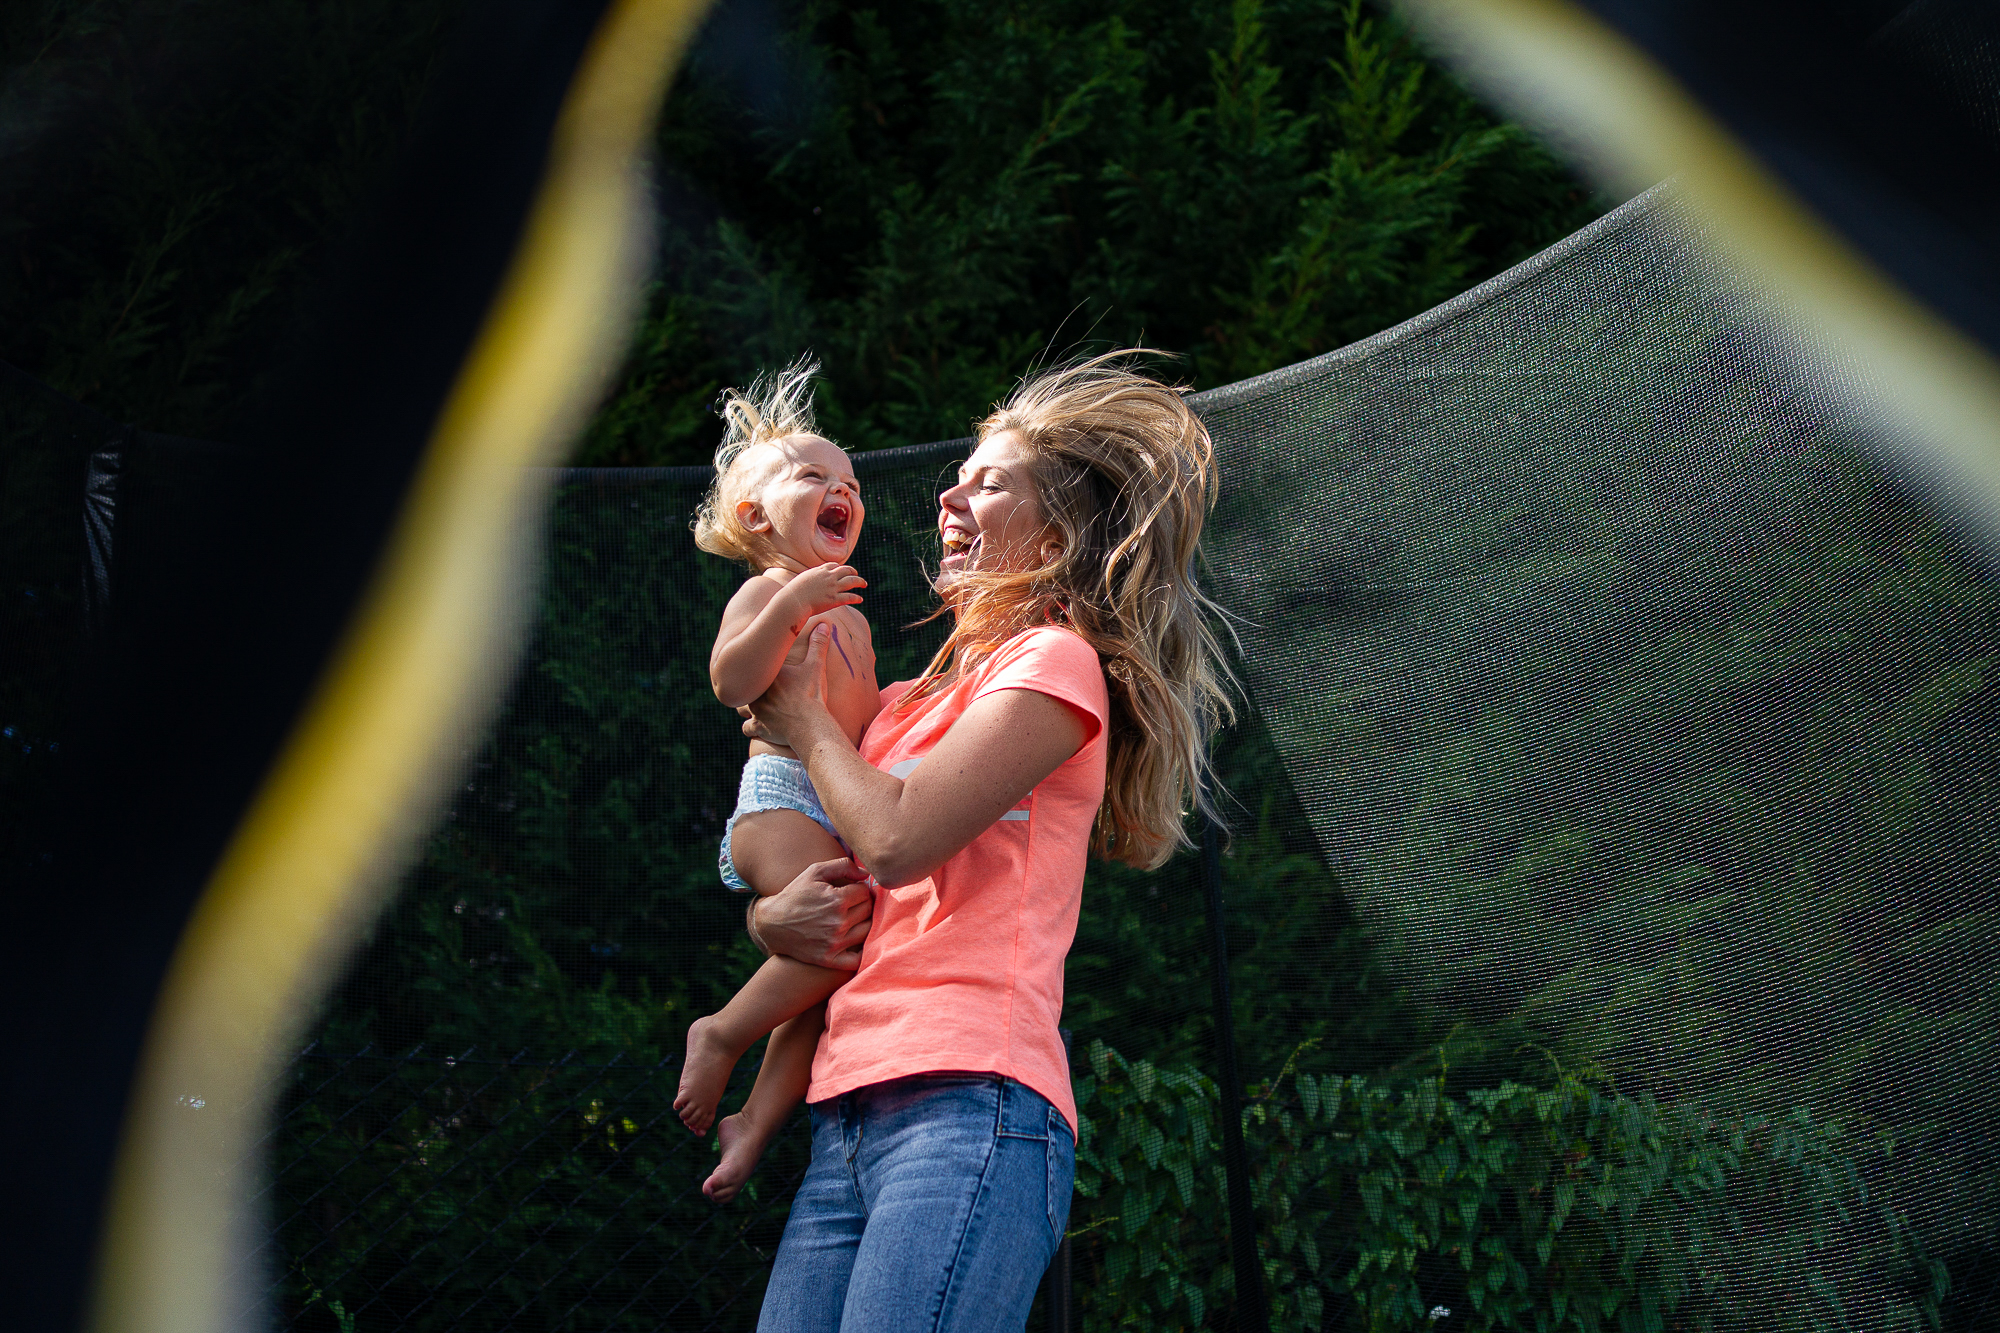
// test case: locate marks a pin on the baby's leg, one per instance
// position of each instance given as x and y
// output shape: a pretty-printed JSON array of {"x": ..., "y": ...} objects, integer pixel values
[
  {"x": 780, "y": 1084},
  {"x": 782, "y": 988},
  {"x": 770, "y": 848}
]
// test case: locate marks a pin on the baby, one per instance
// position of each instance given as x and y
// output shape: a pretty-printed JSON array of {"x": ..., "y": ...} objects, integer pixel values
[{"x": 785, "y": 502}]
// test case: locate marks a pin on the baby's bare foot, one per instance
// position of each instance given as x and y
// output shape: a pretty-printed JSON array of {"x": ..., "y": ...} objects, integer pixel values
[
  {"x": 704, "y": 1075},
  {"x": 743, "y": 1145}
]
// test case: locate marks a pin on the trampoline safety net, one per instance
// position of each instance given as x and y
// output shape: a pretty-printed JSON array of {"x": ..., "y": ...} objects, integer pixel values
[{"x": 1610, "y": 875}]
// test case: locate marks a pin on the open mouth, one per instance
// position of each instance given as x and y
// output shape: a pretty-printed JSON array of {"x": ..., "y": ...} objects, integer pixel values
[
  {"x": 959, "y": 546},
  {"x": 834, "y": 521}
]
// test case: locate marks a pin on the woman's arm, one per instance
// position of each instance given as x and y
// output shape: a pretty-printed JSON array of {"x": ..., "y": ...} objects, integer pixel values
[
  {"x": 902, "y": 829},
  {"x": 763, "y": 620}
]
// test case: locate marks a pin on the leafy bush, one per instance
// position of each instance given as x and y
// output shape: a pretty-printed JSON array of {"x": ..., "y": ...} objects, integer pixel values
[
  {"x": 1515, "y": 1207},
  {"x": 423, "y": 1190}
]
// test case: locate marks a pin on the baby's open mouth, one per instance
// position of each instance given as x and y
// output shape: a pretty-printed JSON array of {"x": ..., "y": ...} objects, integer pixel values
[{"x": 833, "y": 521}]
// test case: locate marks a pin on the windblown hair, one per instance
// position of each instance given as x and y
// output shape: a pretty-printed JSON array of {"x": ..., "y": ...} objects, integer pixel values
[
  {"x": 776, "y": 405},
  {"x": 1125, "y": 472}
]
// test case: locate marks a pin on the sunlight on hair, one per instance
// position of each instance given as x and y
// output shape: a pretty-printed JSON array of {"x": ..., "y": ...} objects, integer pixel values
[
  {"x": 778, "y": 404},
  {"x": 1125, "y": 471}
]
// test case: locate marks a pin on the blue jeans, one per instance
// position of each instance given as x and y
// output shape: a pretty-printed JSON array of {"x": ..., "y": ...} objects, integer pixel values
[{"x": 933, "y": 1203}]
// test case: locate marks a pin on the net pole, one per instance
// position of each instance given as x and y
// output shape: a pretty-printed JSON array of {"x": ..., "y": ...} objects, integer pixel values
[
  {"x": 1056, "y": 1282},
  {"x": 1251, "y": 1316}
]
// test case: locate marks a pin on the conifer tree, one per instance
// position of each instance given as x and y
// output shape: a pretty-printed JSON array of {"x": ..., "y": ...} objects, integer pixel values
[{"x": 936, "y": 197}]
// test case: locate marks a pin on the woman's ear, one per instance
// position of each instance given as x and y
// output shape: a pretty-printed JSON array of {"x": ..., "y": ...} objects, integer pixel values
[{"x": 751, "y": 515}]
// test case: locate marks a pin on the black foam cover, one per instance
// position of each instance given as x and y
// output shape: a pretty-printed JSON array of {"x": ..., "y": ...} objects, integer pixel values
[
  {"x": 1882, "y": 115},
  {"x": 227, "y": 612}
]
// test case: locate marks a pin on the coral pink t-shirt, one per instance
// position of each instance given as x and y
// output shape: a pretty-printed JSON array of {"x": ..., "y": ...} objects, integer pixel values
[{"x": 964, "y": 971}]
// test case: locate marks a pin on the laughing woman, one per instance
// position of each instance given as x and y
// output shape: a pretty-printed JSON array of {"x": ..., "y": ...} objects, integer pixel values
[{"x": 1069, "y": 712}]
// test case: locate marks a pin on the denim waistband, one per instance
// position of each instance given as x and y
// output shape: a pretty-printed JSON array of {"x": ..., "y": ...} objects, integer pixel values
[{"x": 1018, "y": 1111}]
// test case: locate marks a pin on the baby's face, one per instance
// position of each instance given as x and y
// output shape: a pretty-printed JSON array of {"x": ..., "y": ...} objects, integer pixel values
[{"x": 808, "y": 506}]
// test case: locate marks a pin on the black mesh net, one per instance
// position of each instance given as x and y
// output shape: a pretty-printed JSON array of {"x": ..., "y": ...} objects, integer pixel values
[
  {"x": 1644, "y": 717},
  {"x": 1608, "y": 882}
]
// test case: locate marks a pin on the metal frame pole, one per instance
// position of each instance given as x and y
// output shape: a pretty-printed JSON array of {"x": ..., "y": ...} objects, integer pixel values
[
  {"x": 1058, "y": 1286},
  {"x": 1252, "y": 1315},
  {"x": 1056, "y": 1282}
]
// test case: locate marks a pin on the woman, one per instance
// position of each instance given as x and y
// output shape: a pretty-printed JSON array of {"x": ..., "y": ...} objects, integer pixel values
[{"x": 1068, "y": 712}]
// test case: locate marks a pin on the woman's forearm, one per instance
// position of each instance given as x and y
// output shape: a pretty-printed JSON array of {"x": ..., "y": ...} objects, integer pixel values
[
  {"x": 901, "y": 829},
  {"x": 860, "y": 798},
  {"x": 993, "y": 756}
]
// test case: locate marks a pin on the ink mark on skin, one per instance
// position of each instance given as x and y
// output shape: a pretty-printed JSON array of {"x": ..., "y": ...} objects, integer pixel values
[{"x": 842, "y": 651}]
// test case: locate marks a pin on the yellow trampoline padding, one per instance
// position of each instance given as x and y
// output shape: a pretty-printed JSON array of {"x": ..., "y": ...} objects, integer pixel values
[
  {"x": 1559, "y": 67},
  {"x": 412, "y": 680}
]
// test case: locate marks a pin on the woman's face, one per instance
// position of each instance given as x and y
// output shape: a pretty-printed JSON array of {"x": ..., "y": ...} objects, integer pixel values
[{"x": 991, "y": 520}]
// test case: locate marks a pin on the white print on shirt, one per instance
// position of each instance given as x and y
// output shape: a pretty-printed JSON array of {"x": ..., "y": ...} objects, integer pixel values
[{"x": 903, "y": 768}]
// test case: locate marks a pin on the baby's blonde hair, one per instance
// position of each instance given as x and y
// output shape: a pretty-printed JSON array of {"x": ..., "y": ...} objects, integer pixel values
[
  {"x": 776, "y": 405},
  {"x": 1125, "y": 474}
]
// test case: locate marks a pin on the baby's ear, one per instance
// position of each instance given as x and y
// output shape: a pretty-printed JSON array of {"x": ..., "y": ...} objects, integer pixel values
[{"x": 751, "y": 515}]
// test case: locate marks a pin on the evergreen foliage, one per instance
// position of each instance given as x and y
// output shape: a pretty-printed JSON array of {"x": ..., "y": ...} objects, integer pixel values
[
  {"x": 933, "y": 196},
  {"x": 936, "y": 195}
]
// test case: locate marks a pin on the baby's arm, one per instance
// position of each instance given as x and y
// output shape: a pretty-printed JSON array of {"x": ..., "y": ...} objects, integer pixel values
[{"x": 762, "y": 622}]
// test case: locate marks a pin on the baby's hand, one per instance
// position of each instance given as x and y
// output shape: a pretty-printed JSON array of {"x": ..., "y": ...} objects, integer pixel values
[{"x": 825, "y": 587}]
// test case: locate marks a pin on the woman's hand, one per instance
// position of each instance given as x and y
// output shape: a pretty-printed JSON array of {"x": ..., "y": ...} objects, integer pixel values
[
  {"x": 821, "y": 917},
  {"x": 796, "y": 700}
]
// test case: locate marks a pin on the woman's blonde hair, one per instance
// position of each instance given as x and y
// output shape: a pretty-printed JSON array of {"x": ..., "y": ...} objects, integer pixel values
[
  {"x": 1125, "y": 473},
  {"x": 776, "y": 405}
]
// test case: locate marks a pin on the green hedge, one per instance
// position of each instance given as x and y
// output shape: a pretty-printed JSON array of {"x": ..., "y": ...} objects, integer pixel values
[
  {"x": 423, "y": 1192},
  {"x": 1563, "y": 1207}
]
